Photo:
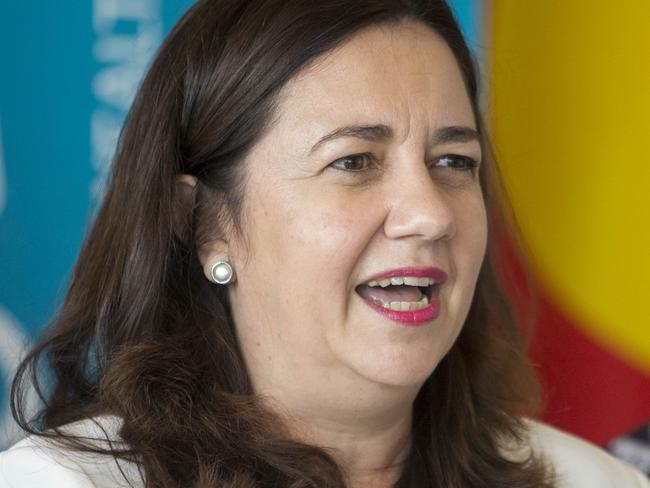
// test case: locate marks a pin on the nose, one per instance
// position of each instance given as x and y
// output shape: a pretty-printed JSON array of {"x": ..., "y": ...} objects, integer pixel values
[{"x": 418, "y": 207}]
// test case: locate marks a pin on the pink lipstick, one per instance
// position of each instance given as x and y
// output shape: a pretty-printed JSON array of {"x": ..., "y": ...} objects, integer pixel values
[
  {"x": 436, "y": 273},
  {"x": 379, "y": 291}
]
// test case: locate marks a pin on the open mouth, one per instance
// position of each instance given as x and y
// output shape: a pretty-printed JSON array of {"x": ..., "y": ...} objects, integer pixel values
[{"x": 400, "y": 294}]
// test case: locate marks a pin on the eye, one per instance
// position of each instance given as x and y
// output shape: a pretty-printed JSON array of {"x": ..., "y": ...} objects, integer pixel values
[
  {"x": 355, "y": 163},
  {"x": 457, "y": 162}
]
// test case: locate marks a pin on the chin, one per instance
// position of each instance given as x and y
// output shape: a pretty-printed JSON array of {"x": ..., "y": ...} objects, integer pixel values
[{"x": 399, "y": 366}]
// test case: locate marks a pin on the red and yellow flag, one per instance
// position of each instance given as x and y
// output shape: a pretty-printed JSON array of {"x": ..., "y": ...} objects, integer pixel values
[{"x": 570, "y": 115}]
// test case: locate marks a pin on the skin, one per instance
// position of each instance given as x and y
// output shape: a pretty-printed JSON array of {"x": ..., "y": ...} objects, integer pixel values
[{"x": 342, "y": 375}]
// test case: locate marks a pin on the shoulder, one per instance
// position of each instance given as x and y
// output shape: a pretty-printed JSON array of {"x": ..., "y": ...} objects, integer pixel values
[
  {"x": 37, "y": 462},
  {"x": 578, "y": 463}
]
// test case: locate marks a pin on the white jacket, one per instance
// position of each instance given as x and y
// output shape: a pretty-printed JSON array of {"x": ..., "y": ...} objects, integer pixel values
[{"x": 37, "y": 463}]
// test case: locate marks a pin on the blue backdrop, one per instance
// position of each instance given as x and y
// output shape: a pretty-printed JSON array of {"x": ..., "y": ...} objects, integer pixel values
[{"x": 69, "y": 73}]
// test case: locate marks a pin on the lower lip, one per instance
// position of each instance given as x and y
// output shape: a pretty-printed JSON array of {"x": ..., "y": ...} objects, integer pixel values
[{"x": 412, "y": 318}]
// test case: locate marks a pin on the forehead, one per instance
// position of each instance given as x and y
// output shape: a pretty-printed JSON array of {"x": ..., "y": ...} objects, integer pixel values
[{"x": 395, "y": 74}]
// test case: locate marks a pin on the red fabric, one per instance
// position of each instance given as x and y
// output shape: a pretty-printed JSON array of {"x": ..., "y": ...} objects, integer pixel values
[{"x": 589, "y": 391}]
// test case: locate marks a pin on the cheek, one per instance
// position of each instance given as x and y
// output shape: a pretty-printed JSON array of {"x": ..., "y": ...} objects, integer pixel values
[
  {"x": 471, "y": 238},
  {"x": 308, "y": 240},
  {"x": 299, "y": 260}
]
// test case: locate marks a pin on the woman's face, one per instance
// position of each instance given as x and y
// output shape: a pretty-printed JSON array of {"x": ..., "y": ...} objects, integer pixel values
[{"x": 365, "y": 174}]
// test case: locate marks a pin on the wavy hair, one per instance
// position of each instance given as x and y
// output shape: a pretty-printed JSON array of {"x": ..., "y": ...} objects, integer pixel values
[{"x": 143, "y": 335}]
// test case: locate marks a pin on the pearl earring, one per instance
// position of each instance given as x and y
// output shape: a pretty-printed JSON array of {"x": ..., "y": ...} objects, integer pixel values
[{"x": 222, "y": 273}]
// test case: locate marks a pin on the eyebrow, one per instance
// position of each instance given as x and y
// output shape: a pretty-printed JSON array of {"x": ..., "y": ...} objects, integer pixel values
[
  {"x": 380, "y": 132},
  {"x": 373, "y": 133},
  {"x": 455, "y": 134}
]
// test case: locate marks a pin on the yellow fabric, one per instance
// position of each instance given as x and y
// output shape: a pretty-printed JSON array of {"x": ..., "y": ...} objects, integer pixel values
[{"x": 570, "y": 102}]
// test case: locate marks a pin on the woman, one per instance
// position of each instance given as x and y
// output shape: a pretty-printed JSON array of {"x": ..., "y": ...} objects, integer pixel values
[{"x": 286, "y": 283}]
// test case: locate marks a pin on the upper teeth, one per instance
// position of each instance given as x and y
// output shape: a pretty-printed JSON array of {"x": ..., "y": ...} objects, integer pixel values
[{"x": 402, "y": 280}]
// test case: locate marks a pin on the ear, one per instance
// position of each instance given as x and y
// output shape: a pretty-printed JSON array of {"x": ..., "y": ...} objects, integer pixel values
[
  {"x": 184, "y": 202},
  {"x": 183, "y": 205}
]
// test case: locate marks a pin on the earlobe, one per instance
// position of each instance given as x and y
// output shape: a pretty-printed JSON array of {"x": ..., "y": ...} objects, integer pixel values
[
  {"x": 217, "y": 267},
  {"x": 222, "y": 273},
  {"x": 215, "y": 262}
]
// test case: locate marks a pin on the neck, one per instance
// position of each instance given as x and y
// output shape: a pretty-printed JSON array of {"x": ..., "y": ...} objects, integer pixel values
[{"x": 367, "y": 433}]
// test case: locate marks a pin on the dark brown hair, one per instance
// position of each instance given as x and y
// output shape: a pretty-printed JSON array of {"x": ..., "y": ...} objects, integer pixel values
[{"x": 144, "y": 336}]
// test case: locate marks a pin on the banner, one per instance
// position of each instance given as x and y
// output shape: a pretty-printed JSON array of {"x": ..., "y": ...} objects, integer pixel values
[{"x": 69, "y": 73}]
